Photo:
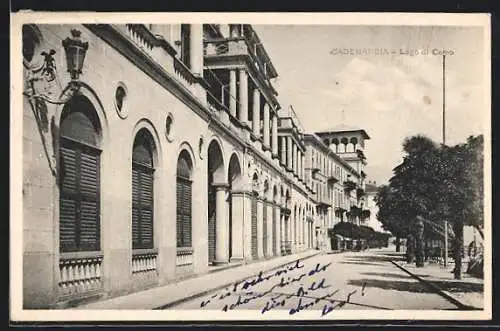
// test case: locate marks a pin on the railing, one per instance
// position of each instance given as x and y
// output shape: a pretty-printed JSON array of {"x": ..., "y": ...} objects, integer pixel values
[
  {"x": 144, "y": 261},
  {"x": 141, "y": 36},
  {"x": 184, "y": 257},
  {"x": 80, "y": 273}
]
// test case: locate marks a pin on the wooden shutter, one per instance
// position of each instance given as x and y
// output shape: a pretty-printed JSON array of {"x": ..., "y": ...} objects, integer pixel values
[
  {"x": 187, "y": 208},
  {"x": 254, "y": 227},
  {"x": 68, "y": 200},
  {"x": 79, "y": 226},
  {"x": 184, "y": 215},
  {"x": 147, "y": 201},
  {"x": 264, "y": 221},
  {"x": 135, "y": 207}
]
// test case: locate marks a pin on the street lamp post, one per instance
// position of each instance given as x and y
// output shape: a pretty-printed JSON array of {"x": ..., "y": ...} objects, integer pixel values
[{"x": 444, "y": 142}]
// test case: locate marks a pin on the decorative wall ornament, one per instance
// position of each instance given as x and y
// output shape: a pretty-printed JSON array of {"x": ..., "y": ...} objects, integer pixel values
[
  {"x": 201, "y": 146},
  {"x": 121, "y": 105}
]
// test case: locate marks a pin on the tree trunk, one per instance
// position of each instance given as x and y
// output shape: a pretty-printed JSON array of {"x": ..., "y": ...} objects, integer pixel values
[
  {"x": 398, "y": 245},
  {"x": 410, "y": 249},
  {"x": 458, "y": 228},
  {"x": 419, "y": 245},
  {"x": 480, "y": 231}
]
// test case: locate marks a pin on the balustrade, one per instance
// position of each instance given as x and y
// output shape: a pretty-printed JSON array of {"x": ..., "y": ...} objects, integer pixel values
[{"x": 79, "y": 274}]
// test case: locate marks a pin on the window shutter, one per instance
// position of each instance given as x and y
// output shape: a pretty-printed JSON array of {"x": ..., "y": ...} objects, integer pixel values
[
  {"x": 67, "y": 202},
  {"x": 184, "y": 205},
  {"x": 135, "y": 207},
  {"x": 180, "y": 221},
  {"x": 187, "y": 198},
  {"x": 146, "y": 194},
  {"x": 89, "y": 207}
]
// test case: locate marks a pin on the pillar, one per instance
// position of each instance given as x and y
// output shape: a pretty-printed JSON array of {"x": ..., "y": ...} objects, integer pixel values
[
  {"x": 278, "y": 229},
  {"x": 232, "y": 92},
  {"x": 256, "y": 113},
  {"x": 283, "y": 150},
  {"x": 243, "y": 118},
  {"x": 270, "y": 230},
  {"x": 266, "y": 125},
  {"x": 238, "y": 230},
  {"x": 300, "y": 164},
  {"x": 294, "y": 159},
  {"x": 196, "y": 49},
  {"x": 289, "y": 152},
  {"x": 260, "y": 231},
  {"x": 221, "y": 225},
  {"x": 274, "y": 135}
]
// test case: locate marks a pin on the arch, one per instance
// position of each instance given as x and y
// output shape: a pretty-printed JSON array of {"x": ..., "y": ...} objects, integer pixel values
[
  {"x": 143, "y": 190},
  {"x": 146, "y": 125},
  {"x": 235, "y": 182},
  {"x": 216, "y": 165},
  {"x": 255, "y": 183},
  {"x": 184, "y": 213},
  {"x": 235, "y": 174},
  {"x": 79, "y": 122},
  {"x": 185, "y": 147},
  {"x": 80, "y": 144},
  {"x": 85, "y": 91}
]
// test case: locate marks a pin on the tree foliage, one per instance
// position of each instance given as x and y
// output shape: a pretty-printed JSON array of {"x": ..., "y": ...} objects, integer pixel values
[{"x": 434, "y": 183}]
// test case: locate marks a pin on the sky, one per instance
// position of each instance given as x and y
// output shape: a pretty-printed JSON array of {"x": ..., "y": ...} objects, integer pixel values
[{"x": 387, "y": 90}]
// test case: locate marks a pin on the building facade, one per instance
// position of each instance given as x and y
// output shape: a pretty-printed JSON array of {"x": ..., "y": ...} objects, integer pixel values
[{"x": 171, "y": 155}]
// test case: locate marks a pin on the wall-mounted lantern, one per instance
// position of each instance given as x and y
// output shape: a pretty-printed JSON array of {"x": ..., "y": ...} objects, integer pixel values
[{"x": 75, "y": 50}]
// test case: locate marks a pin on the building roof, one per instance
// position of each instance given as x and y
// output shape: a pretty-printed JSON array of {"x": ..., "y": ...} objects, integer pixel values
[
  {"x": 345, "y": 128},
  {"x": 319, "y": 142}
]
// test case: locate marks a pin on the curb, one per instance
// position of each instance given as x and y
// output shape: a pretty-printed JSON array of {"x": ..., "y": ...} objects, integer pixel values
[
  {"x": 197, "y": 295},
  {"x": 438, "y": 290}
]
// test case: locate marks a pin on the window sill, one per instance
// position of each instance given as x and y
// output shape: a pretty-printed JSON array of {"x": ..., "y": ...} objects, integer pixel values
[
  {"x": 144, "y": 251},
  {"x": 80, "y": 255},
  {"x": 184, "y": 251}
]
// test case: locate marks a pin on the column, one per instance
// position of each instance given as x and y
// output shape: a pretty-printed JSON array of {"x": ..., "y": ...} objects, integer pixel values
[
  {"x": 238, "y": 234},
  {"x": 289, "y": 152},
  {"x": 232, "y": 92},
  {"x": 221, "y": 233},
  {"x": 294, "y": 158},
  {"x": 278, "y": 229},
  {"x": 292, "y": 232},
  {"x": 243, "y": 118},
  {"x": 256, "y": 113},
  {"x": 270, "y": 230},
  {"x": 266, "y": 126},
  {"x": 260, "y": 232},
  {"x": 196, "y": 49},
  {"x": 283, "y": 150},
  {"x": 300, "y": 164},
  {"x": 274, "y": 134}
]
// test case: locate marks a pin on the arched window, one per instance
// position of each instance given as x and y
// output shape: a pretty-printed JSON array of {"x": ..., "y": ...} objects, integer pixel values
[
  {"x": 79, "y": 168},
  {"x": 142, "y": 191},
  {"x": 184, "y": 200}
]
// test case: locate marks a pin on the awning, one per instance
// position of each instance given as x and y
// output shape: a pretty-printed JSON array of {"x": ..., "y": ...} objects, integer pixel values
[{"x": 339, "y": 236}]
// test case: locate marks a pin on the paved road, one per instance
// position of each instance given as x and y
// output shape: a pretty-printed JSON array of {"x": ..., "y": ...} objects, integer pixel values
[{"x": 351, "y": 280}]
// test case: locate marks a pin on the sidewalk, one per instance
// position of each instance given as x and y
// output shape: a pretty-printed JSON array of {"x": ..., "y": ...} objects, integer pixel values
[
  {"x": 171, "y": 294},
  {"x": 467, "y": 291}
]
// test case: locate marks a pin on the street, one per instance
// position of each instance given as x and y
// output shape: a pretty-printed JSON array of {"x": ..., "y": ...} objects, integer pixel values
[{"x": 323, "y": 283}]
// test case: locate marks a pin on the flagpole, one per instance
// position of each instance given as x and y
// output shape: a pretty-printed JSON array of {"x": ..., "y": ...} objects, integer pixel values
[{"x": 444, "y": 143}]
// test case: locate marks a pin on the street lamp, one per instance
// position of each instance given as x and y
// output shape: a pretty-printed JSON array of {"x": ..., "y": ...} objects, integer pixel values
[{"x": 75, "y": 50}]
